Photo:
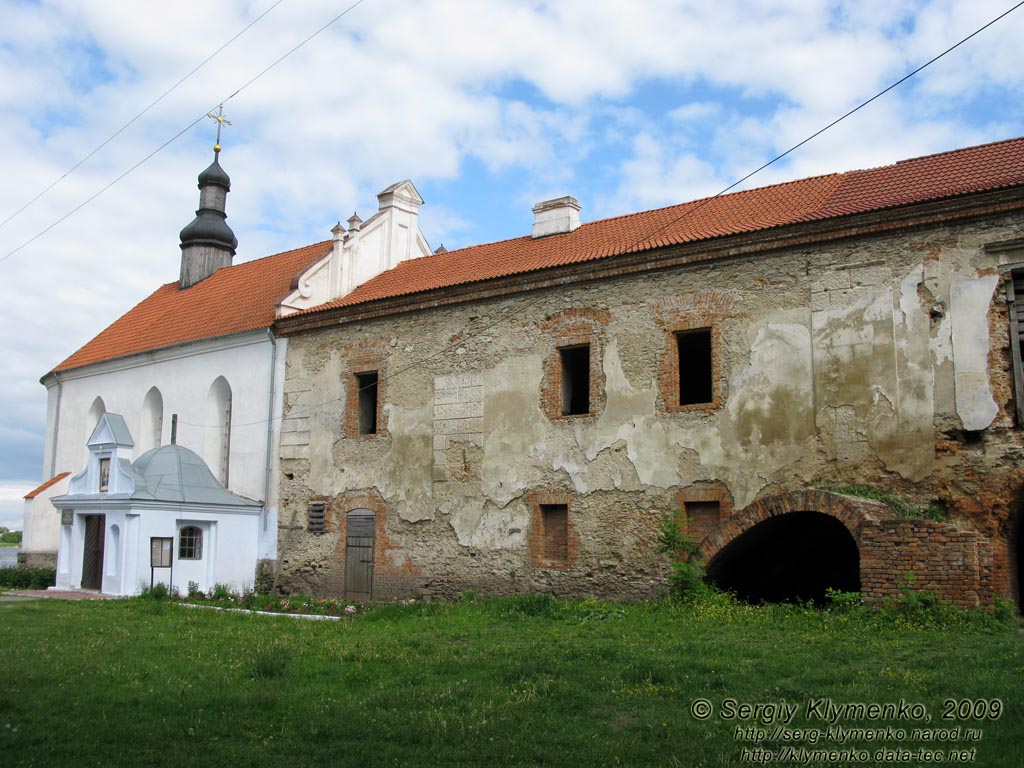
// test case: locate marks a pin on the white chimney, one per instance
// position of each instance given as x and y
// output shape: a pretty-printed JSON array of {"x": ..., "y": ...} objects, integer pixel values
[{"x": 553, "y": 217}]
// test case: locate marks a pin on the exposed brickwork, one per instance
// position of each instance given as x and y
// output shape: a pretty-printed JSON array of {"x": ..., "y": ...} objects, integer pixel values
[
  {"x": 569, "y": 328},
  {"x": 852, "y": 512},
  {"x": 688, "y": 312},
  {"x": 923, "y": 555},
  {"x": 365, "y": 356},
  {"x": 825, "y": 353},
  {"x": 695, "y": 507},
  {"x": 551, "y": 547}
]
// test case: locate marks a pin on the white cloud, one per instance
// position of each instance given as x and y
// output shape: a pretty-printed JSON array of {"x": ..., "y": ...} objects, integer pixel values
[{"x": 625, "y": 105}]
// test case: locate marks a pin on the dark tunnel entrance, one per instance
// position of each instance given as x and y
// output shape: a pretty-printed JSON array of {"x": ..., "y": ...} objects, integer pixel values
[{"x": 790, "y": 558}]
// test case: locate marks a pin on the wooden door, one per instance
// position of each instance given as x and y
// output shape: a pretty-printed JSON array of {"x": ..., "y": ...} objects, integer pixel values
[
  {"x": 92, "y": 551},
  {"x": 359, "y": 555}
]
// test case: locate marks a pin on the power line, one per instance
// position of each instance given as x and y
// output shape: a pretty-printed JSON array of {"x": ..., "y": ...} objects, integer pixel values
[
  {"x": 688, "y": 212},
  {"x": 121, "y": 130},
  {"x": 820, "y": 131},
  {"x": 180, "y": 133}
]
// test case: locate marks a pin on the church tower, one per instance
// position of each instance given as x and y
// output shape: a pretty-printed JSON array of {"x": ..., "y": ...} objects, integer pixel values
[{"x": 207, "y": 244}]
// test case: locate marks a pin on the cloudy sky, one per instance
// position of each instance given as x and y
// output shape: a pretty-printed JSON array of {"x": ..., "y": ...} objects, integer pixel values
[{"x": 487, "y": 105}]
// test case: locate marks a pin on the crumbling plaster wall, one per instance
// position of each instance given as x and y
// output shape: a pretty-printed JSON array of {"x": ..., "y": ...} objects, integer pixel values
[{"x": 869, "y": 361}]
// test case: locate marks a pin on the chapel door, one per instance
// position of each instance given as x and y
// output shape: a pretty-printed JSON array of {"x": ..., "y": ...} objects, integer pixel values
[
  {"x": 92, "y": 552},
  {"x": 359, "y": 555}
]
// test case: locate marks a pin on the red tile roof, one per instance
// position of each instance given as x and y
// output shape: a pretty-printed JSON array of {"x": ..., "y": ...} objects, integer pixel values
[
  {"x": 232, "y": 300},
  {"x": 977, "y": 169},
  {"x": 243, "y": 297},
  {"x": 52, "y": 481}
]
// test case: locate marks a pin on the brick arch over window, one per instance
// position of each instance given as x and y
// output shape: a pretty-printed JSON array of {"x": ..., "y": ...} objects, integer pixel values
[{"x": 854, "y": 513}]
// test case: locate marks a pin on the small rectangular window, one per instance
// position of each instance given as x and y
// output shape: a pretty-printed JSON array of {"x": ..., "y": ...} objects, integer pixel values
[
  {"x": 190, "y": 543},
  {"x": 702, "y": 516},
  {"x": 575, "y": 379},
  {"x": 366, "y": 384},
  {"x": 555, "y": 520},
  {"x": 317, "y": 516},
  {"x": 104, "y": 475},
  {"x": 695, "y": 369}
]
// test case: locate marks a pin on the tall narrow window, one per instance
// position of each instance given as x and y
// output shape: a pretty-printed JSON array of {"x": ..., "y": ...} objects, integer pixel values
[
  {"x": 152, "y": 422},
  {"x": 575, "y": 379},
  {"x": 218, "y": 431},
  {"x": 555, "y": 522},
  {"x": 695, "y": 369},
  {"x": 190, "y": 543},
  {"x": 366, "y": 385},
  {"x": 104, "y": 475}
]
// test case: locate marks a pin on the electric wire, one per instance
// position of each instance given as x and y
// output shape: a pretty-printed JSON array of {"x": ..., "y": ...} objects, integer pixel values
[
  {"x": 127, "y": 125},
  {"x": 183, "y": 131},
  {"x": 544, "y": 295}
]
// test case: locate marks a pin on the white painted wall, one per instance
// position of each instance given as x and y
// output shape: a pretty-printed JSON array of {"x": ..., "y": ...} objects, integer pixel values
[
  {"x": 230, "y": 545},
  {"x": 183, "y": 375}
]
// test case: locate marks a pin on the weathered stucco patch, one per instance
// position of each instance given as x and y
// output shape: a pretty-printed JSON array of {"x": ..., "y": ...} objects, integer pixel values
[
  {"x": 514, "y": 428},
  {"x": 969, "y": 301},
  {"x": 482, "y": 525}
]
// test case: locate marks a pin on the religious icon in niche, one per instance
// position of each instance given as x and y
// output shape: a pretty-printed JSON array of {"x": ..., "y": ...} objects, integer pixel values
[{"x": 104, "y": 475}]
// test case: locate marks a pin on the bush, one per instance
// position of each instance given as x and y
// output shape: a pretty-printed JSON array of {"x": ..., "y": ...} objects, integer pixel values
[
  {"x": 687, "y": 579},
  {"x": 158, "y": 591},
  {"x": 27, "y": 578}
]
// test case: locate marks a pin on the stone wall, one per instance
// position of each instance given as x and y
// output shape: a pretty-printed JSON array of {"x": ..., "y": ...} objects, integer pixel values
[{"x": 854, "y": 361}]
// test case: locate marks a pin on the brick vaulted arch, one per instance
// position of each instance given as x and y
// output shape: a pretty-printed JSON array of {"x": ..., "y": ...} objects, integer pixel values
[{"x": 851, "y": 511}]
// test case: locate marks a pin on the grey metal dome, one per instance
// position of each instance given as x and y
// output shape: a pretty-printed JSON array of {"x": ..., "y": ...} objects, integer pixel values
[
  {"x": 174, "y": 473},
  {"x": 209, "y": 228}
]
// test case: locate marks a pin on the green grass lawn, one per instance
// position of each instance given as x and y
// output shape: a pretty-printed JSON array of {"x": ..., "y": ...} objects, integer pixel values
[{"x": 499, "y": 682}]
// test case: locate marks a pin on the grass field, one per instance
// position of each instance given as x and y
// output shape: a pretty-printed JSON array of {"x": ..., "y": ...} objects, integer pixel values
[{"x": 529, "y": 681}]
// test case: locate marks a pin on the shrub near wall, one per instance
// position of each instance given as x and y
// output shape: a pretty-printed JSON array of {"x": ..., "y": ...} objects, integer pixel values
[{"x": 27, "y": 578}]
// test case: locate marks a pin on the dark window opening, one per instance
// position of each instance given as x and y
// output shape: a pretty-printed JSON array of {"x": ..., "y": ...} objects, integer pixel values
[
  {"x": 794, "y": 557},
  {"x": 555, "y": 521},
  {"x": 695, "y": 372},
  {"x": 190, "y": 543},
  {"x": 366, "y": 383},
  {"x": 575, "y": 380}
]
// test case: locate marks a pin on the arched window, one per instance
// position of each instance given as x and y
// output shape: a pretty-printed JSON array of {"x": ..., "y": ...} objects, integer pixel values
[
  {"x": 97, "y": 409},
  {"x": 151, "y": 428},
  {"x": 190, "y": 543},
  {"x": 218, "y": 429}
]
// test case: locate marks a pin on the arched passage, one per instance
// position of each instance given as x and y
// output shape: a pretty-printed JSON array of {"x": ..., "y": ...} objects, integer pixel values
[{"x": 791, "y": 547}]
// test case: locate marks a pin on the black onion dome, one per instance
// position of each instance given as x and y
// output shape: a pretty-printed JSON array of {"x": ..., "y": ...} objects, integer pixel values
[
  {"x": 215, "y": 175},
  {"x": 209, "y": 228}
]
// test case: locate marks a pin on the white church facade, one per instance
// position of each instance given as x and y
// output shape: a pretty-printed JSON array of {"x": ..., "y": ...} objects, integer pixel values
[{"x": 197, "y": 363}]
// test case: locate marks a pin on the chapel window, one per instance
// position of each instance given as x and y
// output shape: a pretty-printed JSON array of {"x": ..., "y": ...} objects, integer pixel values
[
  {"x": 190, "y": 543},
  {"x": 104, "y": 475}
]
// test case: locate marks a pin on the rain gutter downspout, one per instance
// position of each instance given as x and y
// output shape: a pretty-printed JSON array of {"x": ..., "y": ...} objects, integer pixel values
[
  {"x": 56, "y": 426},
  {"x": 270, "y": 427}
]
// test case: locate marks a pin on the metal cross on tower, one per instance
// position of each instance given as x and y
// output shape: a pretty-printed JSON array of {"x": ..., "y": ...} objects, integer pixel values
[{"x": 221, "y": 120}]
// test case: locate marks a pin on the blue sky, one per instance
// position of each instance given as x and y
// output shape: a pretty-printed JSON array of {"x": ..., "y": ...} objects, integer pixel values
[{"x": 487, "y": 107}]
